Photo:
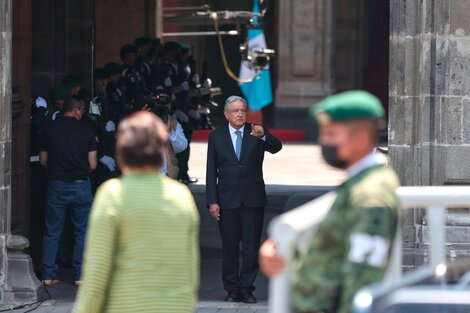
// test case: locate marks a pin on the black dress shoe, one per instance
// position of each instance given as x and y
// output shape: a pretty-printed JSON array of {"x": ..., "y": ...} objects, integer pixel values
[
  {"x": 192, "y": 180},
  {"x": 233, "y": 296},
  {"x": 247, "y": 297},
  {"x": 189, "y": 180}
]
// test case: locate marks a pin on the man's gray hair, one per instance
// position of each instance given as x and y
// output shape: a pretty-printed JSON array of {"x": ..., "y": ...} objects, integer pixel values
[{"x": 233, "y": 99}]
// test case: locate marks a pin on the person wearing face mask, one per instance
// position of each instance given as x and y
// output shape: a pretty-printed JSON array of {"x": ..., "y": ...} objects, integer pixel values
[{"x": 352, "y": 245}]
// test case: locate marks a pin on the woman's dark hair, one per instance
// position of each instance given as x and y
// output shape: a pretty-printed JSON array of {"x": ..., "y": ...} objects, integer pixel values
[{"x": 140, "y": 140}]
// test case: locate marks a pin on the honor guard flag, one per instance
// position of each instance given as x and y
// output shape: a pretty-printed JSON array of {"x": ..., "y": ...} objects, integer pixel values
[{"x": 258, "y": 92}]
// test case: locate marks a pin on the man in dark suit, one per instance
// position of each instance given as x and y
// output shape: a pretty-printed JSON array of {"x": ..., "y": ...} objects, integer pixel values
[{"x": 236, "y": 195}]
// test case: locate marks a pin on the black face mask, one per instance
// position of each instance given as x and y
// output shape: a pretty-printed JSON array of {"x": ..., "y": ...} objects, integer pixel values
[{"x": 330, "y": 155}]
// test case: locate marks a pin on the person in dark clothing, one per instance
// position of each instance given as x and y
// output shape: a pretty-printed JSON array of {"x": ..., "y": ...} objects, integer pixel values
[
  {"x": 187, "y": 111},
  {"x": 236, "y": 195},
  {"x": 40, "y": 116},
  {"x": 68, "y": 150},
  {"x": 142, "y": 62},
  {"x": 57, "y": 95},
  {"x": 105, "y": 130},
  {"x": 155, "y": 59},
  {"x": 133, "y": 80},
  {"x": 116, "y": 100}
]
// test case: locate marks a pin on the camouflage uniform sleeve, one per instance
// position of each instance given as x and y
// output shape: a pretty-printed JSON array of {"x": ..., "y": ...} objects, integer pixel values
[
  {"x": 313, "y": 288},
  {"x": 367, "y": 254},
  {"x": 369, "y": 244}
]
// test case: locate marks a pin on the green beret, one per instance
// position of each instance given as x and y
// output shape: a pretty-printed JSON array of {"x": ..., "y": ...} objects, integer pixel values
[
  {"x": 59, "y": 92},
  {"x": 99, "y": 74},
  {"x": 72, "y": 80},
  {"x": 142, "y": 41},
  {"x": 112, "y": 68},
  {"x": 185, "y": 48},
  {"x": 171, "y": 45},
  {"x": 126, "y": 49},
  {"x": 345, "y": 106}
]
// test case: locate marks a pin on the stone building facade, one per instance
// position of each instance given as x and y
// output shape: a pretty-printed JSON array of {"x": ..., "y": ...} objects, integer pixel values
[{"x": 429, "y": 124}]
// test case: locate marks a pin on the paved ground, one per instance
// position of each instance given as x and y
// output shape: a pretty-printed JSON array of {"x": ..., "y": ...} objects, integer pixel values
[
  {"x": 53, "y": 306},
  {"x": 294, "y": 165}
]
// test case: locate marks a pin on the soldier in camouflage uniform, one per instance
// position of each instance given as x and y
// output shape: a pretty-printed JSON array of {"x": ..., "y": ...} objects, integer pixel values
[{"x": 351, "y": 246}]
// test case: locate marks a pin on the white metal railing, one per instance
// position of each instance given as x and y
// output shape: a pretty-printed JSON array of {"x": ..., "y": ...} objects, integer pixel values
[{"x": 292, "y": 231}]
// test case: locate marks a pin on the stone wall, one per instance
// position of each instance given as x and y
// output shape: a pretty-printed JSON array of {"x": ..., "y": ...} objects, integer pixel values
[{"x": 429, "y": 113}]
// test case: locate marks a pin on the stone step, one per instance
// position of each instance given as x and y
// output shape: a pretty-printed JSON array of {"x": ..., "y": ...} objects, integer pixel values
[{"x": 281, "y": 198}]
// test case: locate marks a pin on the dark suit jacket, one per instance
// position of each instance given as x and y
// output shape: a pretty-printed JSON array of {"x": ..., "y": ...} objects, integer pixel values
[{"x": 230, "y": 182}]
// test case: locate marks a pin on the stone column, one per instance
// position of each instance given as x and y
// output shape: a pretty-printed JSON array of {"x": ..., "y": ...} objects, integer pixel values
[
  {"x": 304, "y": 53},
  {"x": 5, "y": 135},
  {"x": 429, "y": 127},
  {"x": 18, "y": 284}
]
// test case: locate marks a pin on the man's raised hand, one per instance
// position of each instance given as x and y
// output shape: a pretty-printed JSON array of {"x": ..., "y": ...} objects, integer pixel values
[{"x": 257, "y": 131}]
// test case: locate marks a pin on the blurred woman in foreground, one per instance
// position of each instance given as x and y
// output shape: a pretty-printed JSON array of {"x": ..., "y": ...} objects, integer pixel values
[{"x": 142, "y": 250}]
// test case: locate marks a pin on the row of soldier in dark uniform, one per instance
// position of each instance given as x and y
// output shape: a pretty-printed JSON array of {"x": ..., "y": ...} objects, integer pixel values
[
  {"x": 158, "y": 77},
  {"x": 153, "y": 76}
]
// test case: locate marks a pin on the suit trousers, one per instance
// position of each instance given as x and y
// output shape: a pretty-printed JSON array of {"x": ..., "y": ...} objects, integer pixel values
[{"x": 242, "y": 225}]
